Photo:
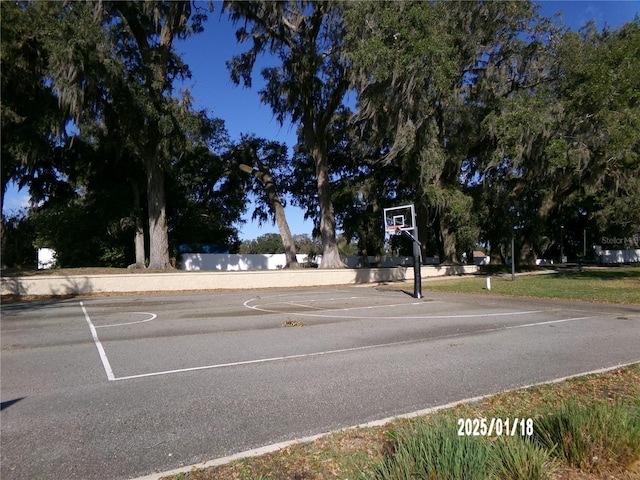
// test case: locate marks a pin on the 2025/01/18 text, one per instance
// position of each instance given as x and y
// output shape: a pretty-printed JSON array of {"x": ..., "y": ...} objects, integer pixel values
[{"x": 488, "y": 427}]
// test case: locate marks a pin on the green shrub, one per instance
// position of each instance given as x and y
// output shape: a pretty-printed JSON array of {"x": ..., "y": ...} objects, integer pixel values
[
  {"x": 588, "y": 436},
  {"x": 517, "y": 459},
  {"x": 429, "y": 450}
]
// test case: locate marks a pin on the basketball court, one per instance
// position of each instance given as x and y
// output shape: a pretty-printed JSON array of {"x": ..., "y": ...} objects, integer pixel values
[
  {"x": 186, "y": 378},
  {"x": 291, "y": 325}
]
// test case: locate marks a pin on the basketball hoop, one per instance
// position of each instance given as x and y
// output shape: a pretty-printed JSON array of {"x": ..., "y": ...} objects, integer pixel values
[
  {"x": 397, "y": 219},
  {"x": 402, "y": 220},
  {"x": 394, "y": 229}
]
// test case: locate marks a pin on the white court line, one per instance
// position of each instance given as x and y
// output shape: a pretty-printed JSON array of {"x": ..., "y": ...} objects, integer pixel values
[
  {"x": 332, "y": 299},
  {"x": 546, "y": 323},
  {"x": 331, "y": 352},
  {"x": 262, "y": 306},
  {"x": 369, "y": 307},
  {"x": 295, "y": 304},
  {"x": 256, "y": 452},
  {"x": 265, "y": 360},
  {"x": 152, "y": 316},
  {"x": 103, "y": 355}
]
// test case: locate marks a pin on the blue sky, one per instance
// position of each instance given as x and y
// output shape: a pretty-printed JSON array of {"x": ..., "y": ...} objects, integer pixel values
[{"x": 240, "y": 108}]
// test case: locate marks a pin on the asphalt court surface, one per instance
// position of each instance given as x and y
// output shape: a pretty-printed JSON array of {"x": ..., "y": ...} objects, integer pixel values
[
  {"x": 171, "y": 334},
  {"x": 197, "y": 333},
  {"x": 119, "y": 387}
]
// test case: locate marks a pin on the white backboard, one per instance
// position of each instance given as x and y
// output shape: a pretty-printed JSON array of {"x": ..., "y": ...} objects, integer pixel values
[{"x": 399, "y": 218}]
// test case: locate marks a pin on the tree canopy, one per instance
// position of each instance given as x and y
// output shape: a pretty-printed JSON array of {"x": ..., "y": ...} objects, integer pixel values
[{"x": 494, "y": 121}]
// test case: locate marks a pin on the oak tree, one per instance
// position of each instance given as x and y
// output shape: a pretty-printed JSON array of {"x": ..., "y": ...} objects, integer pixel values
[{"x": 307, "y": 86}]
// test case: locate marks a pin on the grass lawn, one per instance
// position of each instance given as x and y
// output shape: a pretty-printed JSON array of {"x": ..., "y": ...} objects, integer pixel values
[{"x": 596, "y": 284}]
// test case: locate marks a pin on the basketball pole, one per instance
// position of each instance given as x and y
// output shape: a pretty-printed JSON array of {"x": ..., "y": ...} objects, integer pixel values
[{"x": 417, "y": 273}]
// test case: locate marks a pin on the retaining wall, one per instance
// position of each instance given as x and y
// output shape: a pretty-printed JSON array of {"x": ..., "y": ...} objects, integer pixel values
[{"x": 193, "y": 281}]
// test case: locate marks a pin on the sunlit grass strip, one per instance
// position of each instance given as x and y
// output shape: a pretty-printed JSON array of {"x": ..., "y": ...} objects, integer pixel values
[{"x": 621, "y": 285}]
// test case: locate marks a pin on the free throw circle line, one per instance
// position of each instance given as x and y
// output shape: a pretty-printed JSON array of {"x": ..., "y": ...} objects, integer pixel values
[
  {"x": 152, "y": 316},
  {"x": 331, "y": 313}
]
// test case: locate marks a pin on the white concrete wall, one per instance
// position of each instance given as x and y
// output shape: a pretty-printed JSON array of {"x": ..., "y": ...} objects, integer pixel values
[
  {"x": 620, "y": 256},
  {"x": 230, "y": 262},
  {"x": 544, "y": 261},
  {"x": 235, "y": 262}
]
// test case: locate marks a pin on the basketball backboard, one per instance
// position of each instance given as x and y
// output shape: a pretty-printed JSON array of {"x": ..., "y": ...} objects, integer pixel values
[{"x": 401, "y": 218}]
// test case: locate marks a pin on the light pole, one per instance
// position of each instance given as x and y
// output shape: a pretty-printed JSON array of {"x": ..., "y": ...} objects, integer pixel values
[
  {"x": 561, "y": 243},
  {"x": 513, "y": 254}
]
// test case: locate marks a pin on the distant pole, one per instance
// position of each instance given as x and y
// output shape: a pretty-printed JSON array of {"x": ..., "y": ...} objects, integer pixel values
[
  {"x": 513, "y": 257},
  {"x": 561, "y": 243},
  {"x": 584, "y": 243}
]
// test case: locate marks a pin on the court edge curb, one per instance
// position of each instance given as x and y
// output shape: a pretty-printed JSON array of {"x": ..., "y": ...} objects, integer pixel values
[{"x": 376, "y": 423}]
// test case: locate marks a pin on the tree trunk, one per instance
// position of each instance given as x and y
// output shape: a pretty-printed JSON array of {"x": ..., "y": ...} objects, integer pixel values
[
  {"x": 527, "y": 254},
  {"x": 287, "y": 238},
  {"x": 330, "y": 253},
  {"x": 447, "y": 245},
  {"x": 158, "y": 233},
  {"x": 364, "y": 255},
  {"x": 266, "y": 179},
  {"x": 138, "y": 242},
  {"x": 138, "y": 239}
]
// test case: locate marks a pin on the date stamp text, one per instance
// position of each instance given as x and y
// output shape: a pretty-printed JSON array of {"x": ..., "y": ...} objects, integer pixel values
[{"x": 489, "y": 427}]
